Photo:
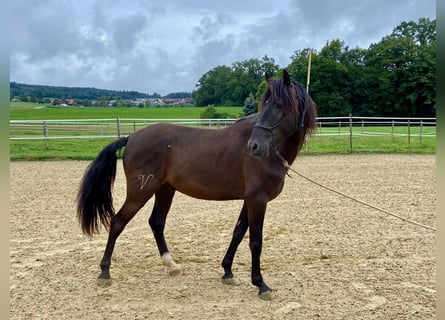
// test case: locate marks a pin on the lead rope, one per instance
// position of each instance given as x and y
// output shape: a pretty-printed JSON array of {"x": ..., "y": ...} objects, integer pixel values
[{"x": 288, "y": 167}]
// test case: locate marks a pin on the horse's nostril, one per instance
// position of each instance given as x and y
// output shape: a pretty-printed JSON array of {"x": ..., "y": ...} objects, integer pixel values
[{"x": 253, "y": 147}]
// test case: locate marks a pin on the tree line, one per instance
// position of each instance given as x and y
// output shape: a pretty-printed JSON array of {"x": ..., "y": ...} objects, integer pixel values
[
  {"x": 45, "y": 94},
  {"x": 394, "y": 77}
]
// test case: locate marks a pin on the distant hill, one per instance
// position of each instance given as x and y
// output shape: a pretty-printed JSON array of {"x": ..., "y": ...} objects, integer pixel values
[{"x": 37, "y": 92}]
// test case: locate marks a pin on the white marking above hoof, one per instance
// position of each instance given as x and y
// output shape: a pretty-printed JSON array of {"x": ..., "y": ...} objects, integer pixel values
[{"x": 173, "y": 268}]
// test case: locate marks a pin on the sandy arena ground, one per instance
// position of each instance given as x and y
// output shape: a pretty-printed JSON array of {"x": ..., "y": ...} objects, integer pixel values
[{"x": 325, "y": 256}]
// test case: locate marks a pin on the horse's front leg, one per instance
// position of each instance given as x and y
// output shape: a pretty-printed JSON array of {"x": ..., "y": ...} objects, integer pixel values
[
  {"x": 256, "y": 210},
  {"x": 238, "y": 235}
]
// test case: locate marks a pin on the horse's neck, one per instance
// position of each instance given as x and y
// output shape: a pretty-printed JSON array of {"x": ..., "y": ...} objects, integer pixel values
[{"x": 290, "y": 148}]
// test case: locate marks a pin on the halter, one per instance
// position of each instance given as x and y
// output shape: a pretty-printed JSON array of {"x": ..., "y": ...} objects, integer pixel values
[
  {"x": 270, "y": 128},
  {"x": 303, "y": 106}
]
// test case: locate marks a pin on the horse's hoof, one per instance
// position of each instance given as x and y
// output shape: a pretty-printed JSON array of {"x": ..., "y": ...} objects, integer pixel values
[
  {"x": 174, "y": 272},
  {"x": 267, "y": 295},
  {"x": 230, "y": 281},
  {"x": 102, "y": 282}
]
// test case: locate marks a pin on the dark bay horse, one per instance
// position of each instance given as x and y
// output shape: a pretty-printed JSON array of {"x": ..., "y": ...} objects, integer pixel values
[{"x": 242, "y": 161}]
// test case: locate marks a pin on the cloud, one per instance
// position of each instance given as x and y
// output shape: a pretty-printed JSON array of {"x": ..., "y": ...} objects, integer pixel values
[
  {"x": 128, "y": 31},
  {"x": 167, "y": 46},
  {"x": 209, "y": 28},
  {"x": 358, "y": 23}
]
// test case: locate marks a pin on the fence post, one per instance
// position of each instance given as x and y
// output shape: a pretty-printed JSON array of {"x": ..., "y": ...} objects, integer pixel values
[
  {"x": 392, "y": 128},
  {"x": 118, "y": 127},
  {"x": 420, "y": 131},
  {"x": 409, "y": 132},
  {"x": 45, "y": 134},
  {"x": 350, "y": 132}
]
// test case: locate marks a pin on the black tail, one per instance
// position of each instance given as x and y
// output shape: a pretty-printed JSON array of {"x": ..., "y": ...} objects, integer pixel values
[{"x": 94, "y": 200}]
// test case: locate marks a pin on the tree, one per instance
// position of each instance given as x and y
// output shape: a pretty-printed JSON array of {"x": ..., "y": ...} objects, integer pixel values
[
  {"x": 394, "y": 77},
  {"x": 268, "y": 66},
  {"x": 298, "y": 67},
  {"x": 250, "y": 105},
  {"x": 401, "y": 69},
  {"x": 211, "y": 113},
  {"x": 212, "y": 87},
  {"x": 231, "y": 85},
  {"x": 358, "y": 89},
  {"x": 329, "y": 85}
]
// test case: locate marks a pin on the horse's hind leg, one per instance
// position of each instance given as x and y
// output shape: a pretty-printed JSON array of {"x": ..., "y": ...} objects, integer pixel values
[
  {"x": 117, "y": 225},
  {"x": 163, "y": 201},
  {"x": 238, "y": 235}
]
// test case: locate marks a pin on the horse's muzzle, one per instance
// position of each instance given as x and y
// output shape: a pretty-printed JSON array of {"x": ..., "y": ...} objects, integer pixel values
[{"x": 258, "y": 149}]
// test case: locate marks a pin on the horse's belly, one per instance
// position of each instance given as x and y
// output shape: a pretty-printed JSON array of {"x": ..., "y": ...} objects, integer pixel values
[{"x": 208, "y": 189}]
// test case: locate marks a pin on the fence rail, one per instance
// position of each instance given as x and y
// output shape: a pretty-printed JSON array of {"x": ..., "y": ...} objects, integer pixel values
[
  {"x": 95, "y": 128},
  {"x": 116, "y": 127}
]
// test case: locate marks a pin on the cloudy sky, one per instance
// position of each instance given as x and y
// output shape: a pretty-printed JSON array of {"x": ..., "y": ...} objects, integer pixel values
[{"x": 166, "y": 46}]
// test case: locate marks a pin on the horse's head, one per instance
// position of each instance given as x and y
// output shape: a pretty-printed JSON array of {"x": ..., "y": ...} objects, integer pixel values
[{"x": 278, "y": 116}]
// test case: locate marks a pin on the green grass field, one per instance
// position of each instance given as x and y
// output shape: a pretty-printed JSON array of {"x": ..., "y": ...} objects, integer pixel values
[
  {"x": 33, "y": 111},
  {"x": 375, "y": 144},
  {"x": 336, "y": 142}
]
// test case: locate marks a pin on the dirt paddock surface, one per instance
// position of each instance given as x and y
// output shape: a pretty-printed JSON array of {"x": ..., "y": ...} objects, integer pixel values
[{"x": 325, "y": 256}]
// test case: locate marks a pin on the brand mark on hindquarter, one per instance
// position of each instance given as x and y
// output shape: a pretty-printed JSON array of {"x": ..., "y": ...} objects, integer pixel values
[{"x": 144, "y": 179}]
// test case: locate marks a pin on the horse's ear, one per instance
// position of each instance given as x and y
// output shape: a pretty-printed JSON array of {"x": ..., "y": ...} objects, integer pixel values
[
  {"x": 267, "y": 77},
  {"x": 286, "y": 77}
]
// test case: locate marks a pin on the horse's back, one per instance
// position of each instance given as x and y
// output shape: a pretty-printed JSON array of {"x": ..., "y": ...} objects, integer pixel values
[
  {"x": 203, "y": 163},
  {"x": 162, "y": 138}
]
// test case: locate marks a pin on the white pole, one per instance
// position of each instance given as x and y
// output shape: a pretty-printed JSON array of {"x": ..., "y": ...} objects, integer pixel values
[{"x": 309, "y": 70}]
